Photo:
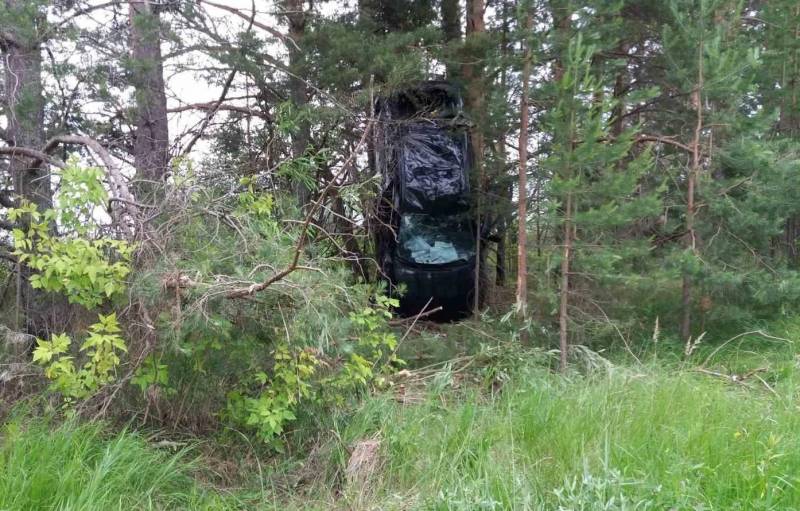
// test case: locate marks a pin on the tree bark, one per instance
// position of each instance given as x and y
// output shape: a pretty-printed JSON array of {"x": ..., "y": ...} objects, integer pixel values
[
  {"x": 294, "y": 10},
  {"x": 151, "y": 141},
  {"x": 522, "y": 201},
  {"x": 476, "y": 104},
  {"x": 789, "y": 125},
  {"x": 506, "y": 193},
  {"x": 563, "y": 310},
  {"x": 451, "y": 28},
  {"x": 24, "y": 109},
  {"x": 562, "y": 18},
  {"x": 690, "y": 239},
  {"x": 24, "y": 104}
]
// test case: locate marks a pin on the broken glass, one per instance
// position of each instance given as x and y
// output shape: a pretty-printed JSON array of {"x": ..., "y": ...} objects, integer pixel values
[{"x": 427, "y": 239}]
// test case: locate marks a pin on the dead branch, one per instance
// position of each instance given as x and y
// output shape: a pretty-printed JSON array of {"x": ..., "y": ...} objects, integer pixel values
[
  {"x": 37, "y": 156},
  {"x": 225, "y": 88},
  {"x": 424, "y": 314},
  {"x": 753, "y": 332},
  {"x": 8, "y": 256},
  {"x": 116, "y": 179},
  {"x": 664, "y": 140},
  {"x": 239, "y": 13},
  {"x": 219, "y": 106}
]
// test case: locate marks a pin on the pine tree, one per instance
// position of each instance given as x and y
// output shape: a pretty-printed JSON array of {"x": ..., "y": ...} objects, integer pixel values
[
  {"x": 522, "y": 201},
  {"x": 151, "y": 141},
  {"x": 594, "y": 190},
  {"x": 708, "y": 63}
]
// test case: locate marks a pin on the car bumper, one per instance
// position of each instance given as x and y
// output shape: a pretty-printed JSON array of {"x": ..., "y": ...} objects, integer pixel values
[{"x": 450, "y": 287}]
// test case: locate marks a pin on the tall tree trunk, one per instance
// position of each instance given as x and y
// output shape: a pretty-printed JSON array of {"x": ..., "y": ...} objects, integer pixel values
[
  {"x": 690, "y": 239},
  {"x": 472, "y": 73},
  {"x": 151, "y": 143},
  {"x": 294, "y": 11},
  {"x": 522, "y": 202},
  {"x": 562, "y": 18},
  {"x": 451, "y": 29},
  {"x": 503, "y": 218},
  {"x": 500, "y": 263},
  {"x": 789, "y": 125},
  {"x": 24, "y": 109}
]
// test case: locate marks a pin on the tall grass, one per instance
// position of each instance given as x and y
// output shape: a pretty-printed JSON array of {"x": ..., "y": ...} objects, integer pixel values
[
  {"x": 654, "y": 436},
  {"x": 75, "y": 467},
  {"x": 648, "y": 438}
]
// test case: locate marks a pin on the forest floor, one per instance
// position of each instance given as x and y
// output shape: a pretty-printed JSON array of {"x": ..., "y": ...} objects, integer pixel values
[{"x": 491, "y": 429}]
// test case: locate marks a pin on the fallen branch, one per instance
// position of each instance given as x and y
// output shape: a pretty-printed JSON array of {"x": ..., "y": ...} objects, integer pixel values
[
  {"x": 403, "y": 321},
  {"x": 420, "y": 314},
  {"x": 753, "y": 332},
  {"x": 740, "y": 379},
  {"x": 294, "y": 265},
  {"x": 116, "y": 180}
]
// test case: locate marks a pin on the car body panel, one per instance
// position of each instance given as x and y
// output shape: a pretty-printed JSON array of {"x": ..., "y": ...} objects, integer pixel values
[{"x": 422, "y": 154}]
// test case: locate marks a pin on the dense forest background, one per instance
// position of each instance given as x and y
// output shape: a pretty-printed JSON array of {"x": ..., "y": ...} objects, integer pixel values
[{"x": 188, "y": 194}]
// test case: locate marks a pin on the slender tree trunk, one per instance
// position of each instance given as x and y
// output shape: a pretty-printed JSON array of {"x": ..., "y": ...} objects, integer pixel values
[
  {"x": 563, "y": 22},
  {"x": 691, "y": 237},
  {"x": 298, "y": 91},
  {"x": 563, "y": 310},
  {"x": 151, "y": 144},
  {"x": 503, "y": 218},
  {"x": 476, "y": 102},
  {"x": 522, "y": 201},
  {"x": 500, "y": 263},
  {"x": 24, "y": 105},
  {"x": 618, "y": 113}
]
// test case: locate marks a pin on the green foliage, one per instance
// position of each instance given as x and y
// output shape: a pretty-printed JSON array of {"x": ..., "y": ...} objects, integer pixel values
[
  {"x": 298, "y": 374},
  {"x": 251, "y": 202},
  {"x": 622, "y": 438},
  {"x": 79, "y": 466},
  {"x": 89, "y": 271},
  {"x": 290, "y": 382},
  {"x": 303, "y": 346},
  {"x": 101, "y": 348},
  {"x": 304, "y": 169},
  {"x": 600, "y": 175},
  {"x": 374, "y": 349},
  {"x": 152, "y": 373}
]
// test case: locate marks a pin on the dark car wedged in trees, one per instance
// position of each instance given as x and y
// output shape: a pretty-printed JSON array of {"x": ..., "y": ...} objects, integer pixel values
[{"x": 425, "y": 239}]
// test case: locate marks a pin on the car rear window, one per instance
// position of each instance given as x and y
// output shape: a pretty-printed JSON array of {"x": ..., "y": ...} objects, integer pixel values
[{"x": 427, "y": 239}]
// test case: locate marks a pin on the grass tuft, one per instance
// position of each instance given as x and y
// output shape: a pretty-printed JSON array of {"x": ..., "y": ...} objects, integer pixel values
[{"x": 75, "y": 467}]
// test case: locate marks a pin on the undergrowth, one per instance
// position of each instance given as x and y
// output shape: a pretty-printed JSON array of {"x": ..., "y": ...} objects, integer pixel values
[
  {"x": 75, "y": 466},
  {"x": 491, "y": 428}
]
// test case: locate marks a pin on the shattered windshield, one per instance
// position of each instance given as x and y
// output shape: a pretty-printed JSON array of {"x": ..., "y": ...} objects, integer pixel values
[{"x": 427, "y": 239}]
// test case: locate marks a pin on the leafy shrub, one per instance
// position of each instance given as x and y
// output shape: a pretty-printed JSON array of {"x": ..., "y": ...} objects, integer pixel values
[
  {"x": 82, "y": 264},
  {"x": 266, "y": 360},
  {"x": 101, "y": 348},
  {"x": 302, "y": 374}
]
